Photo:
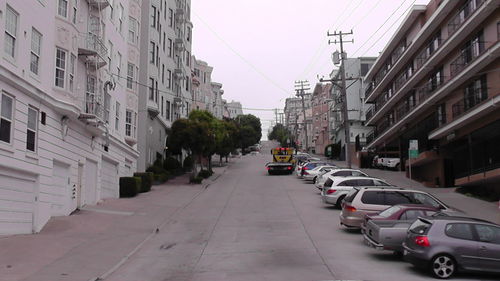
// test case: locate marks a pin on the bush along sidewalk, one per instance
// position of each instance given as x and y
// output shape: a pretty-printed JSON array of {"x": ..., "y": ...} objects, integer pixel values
[
  {"x": 147, "y": 179},
  {"x": 129, "y": 186}
]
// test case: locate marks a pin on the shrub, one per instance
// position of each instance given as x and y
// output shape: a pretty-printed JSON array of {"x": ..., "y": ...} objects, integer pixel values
[
  {"x": 161, "y": 178},
  {"x": 129, "y": 186},
  {"x": 156, "y": 169},
  {"x": 171, "y": 164},
  {"x": 204, "y": 174},
  {"x": 147, "y": 180},
  {"x": 188, "y": 163},
  {"x": 195, "y": 179}
]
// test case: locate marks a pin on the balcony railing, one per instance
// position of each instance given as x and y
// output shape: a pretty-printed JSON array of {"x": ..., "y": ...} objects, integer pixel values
[
  {"x": 465, "y": 57},
  {"x": 427, "y": 52},
  {"x": 93, "y": 106},
  {"x": 99, "y": 4},
  {"x": 369, "y": 90},
  {"x": 91, "y": 44},
  {"x": 464, "y": 105},
  {"x": 463, "y": 14}
]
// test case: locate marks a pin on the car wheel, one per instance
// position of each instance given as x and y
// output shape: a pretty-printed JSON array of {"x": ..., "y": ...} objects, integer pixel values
[
  {"x": 443, "y": 266},
  {"x": 314, "y": 179},
  {"x": 338, "y": 205},
  {"x": 397, "y": 167}
]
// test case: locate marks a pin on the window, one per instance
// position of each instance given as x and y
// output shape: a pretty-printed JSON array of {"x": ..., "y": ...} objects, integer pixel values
[
  {"x": 133, "y": 36},
  {"x": 163, "y": 74},
  {"x": 459, "y": 230},
  {"x": 119, "y": 65},
  {"x": 488, "y": 233},
  {"x": 188, "y": 34},
  {"x": 170, "y": 46},
  {"x": 10, "y": 32},
  {"x": 32, "y": 128},
  {"x": 162, "y": 101},
  {"x": 396, "y": 197},
  {"x": 157, "y": 55},
  {"x": 75, "y": 9},
  {"x": 188, "y": 58},
  {"x": 111, "y": 10},
  {"x": 164, "y": 39},
  {"x": 60, "y": 67},
  {"x": 151, "y": 89},
  {"x": 130, "y": 76},
  {"x": 117, "y": 116},
  {"x": 36, "y": 43},
  {"x": 169, "y": 79},
  {"x": 71, "y": 77},
  {"x": 6, "y": 118},
  {"x": 90, "y": 105},
  {"x": 170, "y": 17},
  {"x": 167, "y": 110},
  {"x": 373, "y": 197},
  {"x": 120, "y": 18},
  {"x": 152, "y": 58},
  {"x": 62, "y": 8},
  {"x": 153, "y": 16},
  {"x": 157, "y": 91},
  {"x": 412, "y": 214},
  {"x": 107, "y": 107},
  {"x": 128, "y": 123},
  {"x": 475, "y": 92},
  {"x": 379, "y": 183},
  {"x": 110, "y": 55}
]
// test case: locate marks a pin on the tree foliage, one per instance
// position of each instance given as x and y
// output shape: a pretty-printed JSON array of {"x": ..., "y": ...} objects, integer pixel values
[
  {"x": 281, "y": 135},
  {"x": 250, "y": 130}
]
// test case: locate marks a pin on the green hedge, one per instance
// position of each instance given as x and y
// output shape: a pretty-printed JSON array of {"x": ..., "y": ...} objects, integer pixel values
[
  {"x": 204, "y": 174},
  {"x": 171, "y": 164},
  {"x": 188, "y": 163},
  {"x": 161, "y": 178},
  {"x": 129, "y": 186},
  {"x": 195, "y": 179},
  {"x": 147, "y": 180}
]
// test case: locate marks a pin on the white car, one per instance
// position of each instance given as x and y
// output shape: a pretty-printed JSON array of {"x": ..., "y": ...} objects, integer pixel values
[
  {"x": 310, "y": 175},
  {"x": 336, "y": 188},
  {"x": 320, "y": 179}
]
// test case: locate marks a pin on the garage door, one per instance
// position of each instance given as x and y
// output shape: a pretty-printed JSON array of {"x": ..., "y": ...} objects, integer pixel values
[
  {"x": 16, "y": 204},
  {"x": 61, "y": 188},
  {"x": 109, "y": 180}
]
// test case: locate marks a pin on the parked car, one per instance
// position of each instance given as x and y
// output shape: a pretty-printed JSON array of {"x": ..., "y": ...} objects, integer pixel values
[
  {"x": 386, "y": 162},
  {"x": 387, "y": 230},
  {"x": 364, "y": 200},
  {"x": 310, "y": 175},
  {"x": 311, "y": 165},
  {"x": 445, "y": 245},
  {"x": 340, "y": 172},
  {"x": 300, "y": 164},
  {"x": 336, "y": 188}
]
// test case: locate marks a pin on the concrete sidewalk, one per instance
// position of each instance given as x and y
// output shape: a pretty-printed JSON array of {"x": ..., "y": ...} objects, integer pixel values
[
  {"x": 94, "y": 240},
  {"x": 475, "y": 207}
]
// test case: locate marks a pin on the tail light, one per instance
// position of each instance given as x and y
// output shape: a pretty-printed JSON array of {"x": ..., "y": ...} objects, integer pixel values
[
  {"x": 330, "y": 191},
  {"x": 267, "y": 168},
  {"x": 299, "y": 168},
  {"x": 422, "y": 241},
  {"x": 305, "y": 168},
  {"x": 349, "y": 208},
  {"x": 289, "y": 168}
]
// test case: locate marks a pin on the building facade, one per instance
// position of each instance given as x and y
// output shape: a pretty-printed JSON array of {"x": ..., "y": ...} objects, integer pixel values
[
  {"x": 68, "y": 128},
  {"x": 165, "y": 77},
  {"x": 437, "y": 82},
  {"x": 320, "y": 117},
  {"x": 234, "y": 109},
  {"x": 355, "y": 69}
]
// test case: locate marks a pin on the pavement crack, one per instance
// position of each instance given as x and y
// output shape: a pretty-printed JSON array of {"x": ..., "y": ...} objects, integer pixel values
[{"x": 167, "y": 246}]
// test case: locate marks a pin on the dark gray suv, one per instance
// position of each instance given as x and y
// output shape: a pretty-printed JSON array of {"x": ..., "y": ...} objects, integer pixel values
[{"x": 447, "y": 244}]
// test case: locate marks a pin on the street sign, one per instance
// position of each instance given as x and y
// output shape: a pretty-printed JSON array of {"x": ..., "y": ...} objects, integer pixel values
[{"x": 413, "y": 149}]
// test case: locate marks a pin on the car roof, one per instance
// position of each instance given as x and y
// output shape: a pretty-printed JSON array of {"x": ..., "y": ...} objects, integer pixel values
[
  {"x": 392, "y": 187},
  {"x": 337, "y": 178},
  {"x": 417, "y": 206},
  {"x": 458, "y": 219}
]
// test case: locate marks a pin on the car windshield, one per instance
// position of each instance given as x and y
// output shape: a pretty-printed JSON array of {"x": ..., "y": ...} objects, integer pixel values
[
  {"x": 389, "y": 211},
  {"x": 419, "y": 227}
]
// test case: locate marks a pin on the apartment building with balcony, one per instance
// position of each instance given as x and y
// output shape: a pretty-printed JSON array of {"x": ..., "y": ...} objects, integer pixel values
[
  {"x": 320, "y": 102},
  {"x": 356, "y": 70},
  {"x": 234, "y": 109},
  {"x": 292, "y": 111},
  {"x": 165, "y": 78},
  {"x": 437, "y": 81},
  {"x": 67, "y": 127}
]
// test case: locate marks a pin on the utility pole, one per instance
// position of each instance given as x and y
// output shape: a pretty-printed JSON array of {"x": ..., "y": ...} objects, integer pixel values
[
  {"x": 300, "y": 88},
  {"x": 345, "y": 114},
  {"x": 276, "y": 115}
]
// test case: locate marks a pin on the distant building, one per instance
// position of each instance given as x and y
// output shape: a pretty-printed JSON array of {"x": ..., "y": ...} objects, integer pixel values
[
  {"x": 234, "y": 109},
  {"x": 320, "y": 117},
  {"x": 357, "y": 68},
  {"x": 437, "y": 82}
]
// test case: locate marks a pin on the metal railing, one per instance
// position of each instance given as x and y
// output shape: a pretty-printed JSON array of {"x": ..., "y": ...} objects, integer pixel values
[
  {"x": 427, "y": 52},
  {"x": 92, "y": 42},
  {"x": 465, "y": 57},
  {"x": 463, "y": 14},
  {"x": 464, "y": 105},
  {"x": 93, "y": 105}
]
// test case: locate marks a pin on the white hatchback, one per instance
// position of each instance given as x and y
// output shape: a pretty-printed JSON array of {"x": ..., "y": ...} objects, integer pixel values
[
  {"x": 310, "y": 175},
  {"x": 321, "y": 178},
  {"x": 336, "y": 188}
]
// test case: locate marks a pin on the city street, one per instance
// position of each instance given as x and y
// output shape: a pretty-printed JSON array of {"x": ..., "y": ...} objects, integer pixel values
[{"x": 242, "y": 224}]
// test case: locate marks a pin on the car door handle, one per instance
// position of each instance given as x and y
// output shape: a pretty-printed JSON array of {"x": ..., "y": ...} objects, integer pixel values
[{"x": 483, "y": 248}]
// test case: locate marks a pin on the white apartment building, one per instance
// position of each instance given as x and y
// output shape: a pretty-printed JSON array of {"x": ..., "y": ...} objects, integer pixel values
[
  {"x": 234, "y": 109},
  {"x": 67, "y": 126},
  {"x": 202, "y": 89},
  {"x": 165, "y": 63},
  {"x": 355, "y": 68}
]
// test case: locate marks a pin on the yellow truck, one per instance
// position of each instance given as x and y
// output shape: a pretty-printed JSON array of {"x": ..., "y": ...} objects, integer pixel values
[{"x": 283, "y": 161}]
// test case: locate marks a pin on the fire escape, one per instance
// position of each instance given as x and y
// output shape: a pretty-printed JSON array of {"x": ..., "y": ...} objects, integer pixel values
[
  {"x": 92, "y": 52},
  {"x": 180, "y": 47}
]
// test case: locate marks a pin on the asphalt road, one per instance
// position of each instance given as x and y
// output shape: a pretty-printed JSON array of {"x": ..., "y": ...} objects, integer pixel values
[{"x": 252, "y": 226}]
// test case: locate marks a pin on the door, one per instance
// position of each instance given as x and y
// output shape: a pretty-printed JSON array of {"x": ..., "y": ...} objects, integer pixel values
[
  {"x": 109, "y": 180},
  {"x": 62, "y": 201},
  {"x": 488, "y": 247},
  {"x": 79, "y": 187},
  {"x": 17, "y": 198},
  {"x": 90, "y": 186}
]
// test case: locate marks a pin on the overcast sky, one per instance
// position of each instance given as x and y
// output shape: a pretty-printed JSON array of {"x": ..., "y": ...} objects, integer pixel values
[{"x": 259, "y": 48}]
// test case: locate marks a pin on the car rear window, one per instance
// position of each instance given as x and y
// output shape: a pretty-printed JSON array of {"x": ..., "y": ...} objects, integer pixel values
[
  {"x": 328, "y": 183},
  {"x": 350, "y": 196},
  {"x": 397, "y": 197},
  {"x": 389, "y": 211},
  {"x": 342, "y": 173},
  {"x": 420, "y": 227},
  {"x": 373, "y": 197},
  {"x": 365, "y": 182}
]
